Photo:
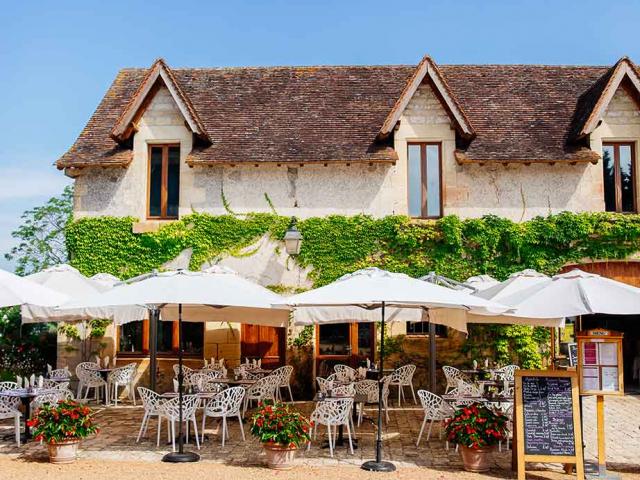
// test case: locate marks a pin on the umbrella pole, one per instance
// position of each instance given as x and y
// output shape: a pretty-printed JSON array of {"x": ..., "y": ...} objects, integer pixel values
[
  {"x": 378, "y": 465},
  {"x": 432, "y": 356},
  {"x": 180, "y": 456},
  {"x": 154, "y": 314}
]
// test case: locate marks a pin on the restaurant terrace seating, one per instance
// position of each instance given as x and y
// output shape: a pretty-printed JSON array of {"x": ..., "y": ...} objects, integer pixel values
[{"x": 225, "y": 404}]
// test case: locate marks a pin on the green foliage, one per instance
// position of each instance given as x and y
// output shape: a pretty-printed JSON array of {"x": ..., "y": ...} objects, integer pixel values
[
  {"x": 85, "y": 333},
  {"x": 277, "y": 423},
  {"x": 476, "y": 426},
  {"x": 41, "y": 235},
  {"x": 304, "y": 338},
  {"x": 335, "y": 245}
]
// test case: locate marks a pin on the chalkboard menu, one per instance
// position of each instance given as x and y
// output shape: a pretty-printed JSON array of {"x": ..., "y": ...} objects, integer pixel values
[
  {"x": 547, "y": 419},
  {"x": 548, "y": 416}
]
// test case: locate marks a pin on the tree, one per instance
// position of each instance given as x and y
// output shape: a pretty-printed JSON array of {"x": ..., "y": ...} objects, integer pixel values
[{"x": 41, "y": 235}]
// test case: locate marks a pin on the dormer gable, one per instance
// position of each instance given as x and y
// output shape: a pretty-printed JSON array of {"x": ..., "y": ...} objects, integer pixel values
[
  {"x": 158, "y": 76},
  {"x": 428, "y": 72}
]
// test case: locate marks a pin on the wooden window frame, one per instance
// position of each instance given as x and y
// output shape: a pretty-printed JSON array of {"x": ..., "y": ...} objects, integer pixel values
[
  {"x": 353, "y": 343},
  {"x": 164, "y": 181},
  {"x": 145, "y": 343},
  {"x": 423, "y": 182},
  {"x": 617, "y": 176}
]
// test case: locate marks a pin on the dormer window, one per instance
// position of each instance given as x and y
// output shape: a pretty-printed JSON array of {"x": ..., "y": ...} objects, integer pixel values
[
  {"x": 618, "y": 164},
  {"x": 164, "y": 182}
]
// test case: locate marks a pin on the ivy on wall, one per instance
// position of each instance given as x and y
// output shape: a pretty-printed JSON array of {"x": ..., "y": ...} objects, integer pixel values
[{"x": 335, "y": 245}]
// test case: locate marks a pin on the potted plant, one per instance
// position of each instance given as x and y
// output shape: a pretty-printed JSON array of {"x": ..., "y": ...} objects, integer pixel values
[
  {"x": 282, "y": 431},
  {"x": 62, "y": 425},
  {"x": 477, "y": 430}
]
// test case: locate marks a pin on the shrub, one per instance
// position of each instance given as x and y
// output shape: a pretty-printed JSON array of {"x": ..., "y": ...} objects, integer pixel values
[
  {"x": 66, "y": 420},
  {"x": 476, "y": 426},
  {"x": 277, "y": 423}
]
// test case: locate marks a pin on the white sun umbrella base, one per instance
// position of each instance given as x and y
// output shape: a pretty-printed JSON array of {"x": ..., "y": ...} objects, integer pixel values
[
  {"x": 15, "y": 290},
  {"x": 69, "y": 281},
  {"x": 217, "y": 294},
  {"x": 357, "y": 297}
]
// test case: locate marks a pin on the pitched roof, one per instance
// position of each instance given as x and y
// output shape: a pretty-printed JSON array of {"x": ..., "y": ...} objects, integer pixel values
[{"x": 505, "y": 113}]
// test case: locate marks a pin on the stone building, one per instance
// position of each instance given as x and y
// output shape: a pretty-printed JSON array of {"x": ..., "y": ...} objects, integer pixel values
[{"x": 425, "y": 141}]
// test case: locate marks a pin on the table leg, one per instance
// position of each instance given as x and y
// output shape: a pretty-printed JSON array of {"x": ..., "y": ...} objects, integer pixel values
[{"x": 26, "y": 401}]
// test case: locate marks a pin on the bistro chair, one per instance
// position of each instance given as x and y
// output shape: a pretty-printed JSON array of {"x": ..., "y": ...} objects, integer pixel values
[
  {"x": 45, "y": 398},
  {"x": 324, "y": 385},
  {"x": 345, "y": 373},
  {"x": 507, "y": 373},
  {"x": 8, "y": 386},
  {"x": 123, "y": 377},
  {"x": 151, "y": 403},
  {"x": 452, "y": 375},
  {"x": 263, "y": 389},
  {"x": 9, "y": 409},
  {"x": 59, "y": 373},
  {"x": 186, "y": 372},
  {"x": 89, "y": 378},
  {"x": 403, "y": 377},
  {"x": 170, "y": 410},
  {"x": 332, "y": 413},
  {"x": 226, "y": 404},
  {"x": 368, "y": 388},
  {"x": 285, "y": 380},
  {"x": 435, "y": 410}
]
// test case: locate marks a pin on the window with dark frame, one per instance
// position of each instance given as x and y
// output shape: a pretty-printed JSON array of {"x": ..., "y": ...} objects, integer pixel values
[
  {"x": 422, "y": 328},
  {"x": 134, "y": 338},
  {"x": 618, "y": 168},
  {"x": 164, "y": 181},
  {"x": 425, "y": 179}
]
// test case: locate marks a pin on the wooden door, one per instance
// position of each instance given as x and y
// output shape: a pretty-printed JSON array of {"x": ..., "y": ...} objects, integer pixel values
[{"x": 266, "y": 343}]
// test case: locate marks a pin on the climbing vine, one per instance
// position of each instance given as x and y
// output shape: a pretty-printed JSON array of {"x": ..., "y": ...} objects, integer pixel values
[{"x": 335, "y": 245}]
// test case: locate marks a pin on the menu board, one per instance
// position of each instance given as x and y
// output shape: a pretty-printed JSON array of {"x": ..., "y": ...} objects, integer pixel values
[
  {"x": 600, "y": 362},
  {"x": 547, "y": 419},
  {"x": 548, "y": 416}
]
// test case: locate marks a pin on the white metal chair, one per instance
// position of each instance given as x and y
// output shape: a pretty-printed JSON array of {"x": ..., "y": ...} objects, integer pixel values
[
  {"x": 332, "y": 413},
  {"x": 88, "y": 378},
  {"x": 263, "y": 389},
  {"x": 226, "y": 404},
  {"x": 170, "y": 410},
  {"x": 403, "y": 377},
  {"x": 452, "y": 375},
  {"x": 8, "y": 386},
  {"x": 324, "y": 385},
  {"x": 59, "y": 373},
  {"x": 508, "y": 372},
  {"x": 370, "y": 389},
  {"x": 9, "y": 409},
  {"x": 285, "y": 380},
  {"x": 53, "y": 397},
  {"x": 123, "y": 377},
  {"x": 435, "y": 410},
  {"x": 509, "y": 413},
  {"x": 345, "y": 373},
  {"x": 151, "y": 403},
  {"x": 186, "y": 372}
]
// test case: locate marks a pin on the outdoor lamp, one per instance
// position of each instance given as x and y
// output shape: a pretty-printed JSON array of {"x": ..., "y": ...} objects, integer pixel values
[{"x": 293, "y": 238}]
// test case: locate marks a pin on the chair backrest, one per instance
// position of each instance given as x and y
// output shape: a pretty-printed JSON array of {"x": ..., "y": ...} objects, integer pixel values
[
  {"x": 466, "y": 389},
  {"x": 150, "y": 400},
  {"x": 368, "y": 388},
  {"x": 508, "y": 372},
  {"x": 9, "y": 406},
  {"x": 211, "y": 387},
  {"x": 171, "y": 407},
  {"x": 333, "y": 378},
  {"x": 386, "y": 381},
  {"x": 227, "y": 402},
  {"x": 434, "y": 405},
  {"x": 123, "y": 375},
  {"x": 349, "y": 389},
  {"x": 285, "y": 374},
  {"x": 324, "y": 385},
  {"x": 59, "y": 373},
  {"x": 345, "y": 373},
  {"x": 452, "y": 375},
  {"x": 40, "y": 400},
  {"x": 404, "y": 374},
  {"x": 8, "y": 386},
  {"x": 197, "y": 380},
  {"x": 333, "y": 412},
  {"x": 186, "y": 371},
  {"x": 87, "y": 373},
  {"x": 264, "y": 387}
]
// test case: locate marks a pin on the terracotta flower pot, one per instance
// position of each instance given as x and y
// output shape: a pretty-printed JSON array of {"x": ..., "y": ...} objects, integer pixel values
[
  {"x": 476, "y": 459},
  {"x": 279, "y": 457},
  {"x": 63, "y": 452}
]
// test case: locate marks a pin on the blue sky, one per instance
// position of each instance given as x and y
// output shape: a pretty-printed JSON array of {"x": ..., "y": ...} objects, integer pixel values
[{"x": 58, "y": 58}]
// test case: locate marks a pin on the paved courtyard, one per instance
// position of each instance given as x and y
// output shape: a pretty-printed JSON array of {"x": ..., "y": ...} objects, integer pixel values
[{"x": 116, "y": 442}]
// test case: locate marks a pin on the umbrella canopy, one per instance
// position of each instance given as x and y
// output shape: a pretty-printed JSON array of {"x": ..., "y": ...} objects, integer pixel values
[
  {"x": 508, "y": 293},
  {"x": 215, "y": 294},
  {"x": 481, "y": 282},
  {"x": 575, "y": 293},
  {"x": 355, "y": 297},
  {"x": 69, "y": 281},
  {"x": 15, "y": 290}
]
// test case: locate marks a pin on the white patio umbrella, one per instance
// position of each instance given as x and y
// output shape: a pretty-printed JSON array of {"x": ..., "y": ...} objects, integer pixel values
[
  {"x": 575, "y": 293},
  {"x": 510, "y": 293},
  {"x": 69, "y": 281},
  {"x": 370, "y": 295},
  {"x": 481, "y": 282},
  {"x": 15, "y": 290},
  {"x": 218, "y": 290}
]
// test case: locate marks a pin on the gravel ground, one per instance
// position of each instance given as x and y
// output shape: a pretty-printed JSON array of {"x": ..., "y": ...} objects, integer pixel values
[{"x": 20, "y": 469}]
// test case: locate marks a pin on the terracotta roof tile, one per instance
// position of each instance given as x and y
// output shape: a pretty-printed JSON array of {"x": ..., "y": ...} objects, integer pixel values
[{"x": 326, "y": 114}]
